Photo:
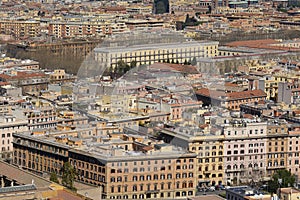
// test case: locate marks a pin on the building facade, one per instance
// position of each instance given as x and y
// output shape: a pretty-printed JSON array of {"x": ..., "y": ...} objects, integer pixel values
[
  {"x": 20, "y": 29},
  {"x": 149, "y": 54}
]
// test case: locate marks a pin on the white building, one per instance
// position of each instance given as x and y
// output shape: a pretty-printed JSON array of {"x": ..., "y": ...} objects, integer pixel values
[{"x": 150, "y": 53}]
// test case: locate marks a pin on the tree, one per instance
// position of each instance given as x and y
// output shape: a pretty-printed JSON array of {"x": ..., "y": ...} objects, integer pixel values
[
  {"x": 133, "y": 64},
  {"x": 281, "y": 178},
  {"x": 121, "y": 64},
  {"x": 160, "y": 8},
  {"x": 68, "y": 176},
  {"x": 194, "y": 61},
  {"x": 53, "y": 177}
]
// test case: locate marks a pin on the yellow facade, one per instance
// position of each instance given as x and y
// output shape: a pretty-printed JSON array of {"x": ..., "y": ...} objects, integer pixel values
[
  {"x": 210, "y": 159},
  {"x": 173, "y": 52}
]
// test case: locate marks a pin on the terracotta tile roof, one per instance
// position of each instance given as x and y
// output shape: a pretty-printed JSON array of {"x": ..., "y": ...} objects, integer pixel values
[
  {"x": 289, "y": 190},
  {"x": 246, "y": 94},
  {"x": 262, "y": 44},
  {"x": 176, "y": 67},
  {"x": 4, "y": 83},
  {"x": 147, "y": 148},
  {"x": 21, "y": 75},
  {"x": 230, "y": 96}
]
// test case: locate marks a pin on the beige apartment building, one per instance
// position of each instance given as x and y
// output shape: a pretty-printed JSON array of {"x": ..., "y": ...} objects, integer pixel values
[
  {"x": 277, "y": 146},
  {"x": 208, "y": 148},
  {"x": 150, "y": 53},
  {"x": 164, "y": 173},
  {"x": 124, "y": 166},
  {"x": 20, "y": 29}
]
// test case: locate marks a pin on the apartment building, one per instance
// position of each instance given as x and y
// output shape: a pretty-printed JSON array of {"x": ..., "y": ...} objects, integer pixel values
[
  {"x": 11, "y": 121},
  {"x": 208, "y": 147},
  {"x": 60, "y": 76},
  {"x": 30, "y": 81},
  {"x": 245, "y": 146},
  {"x": 277, "y": 146},
  {"x": 69, "y": 29},
  {"x": 270, "y": 84},
  {"x": 148, "y": 54},
  {"x": 38, "y": 154},
  {"x": 167, "y": 174},
  {"x": 40, "y": 114},
  {"x": 231, "y": 101},
  {"x": 293, "y": 143},
  {"x": 20, "y": 29},
  {"x": 124, "y": 166}
]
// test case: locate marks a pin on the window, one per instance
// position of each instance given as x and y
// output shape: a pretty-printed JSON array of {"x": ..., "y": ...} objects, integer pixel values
[
  {"x": 142, "y": 178},
  {"x": 134, "y": 188}
]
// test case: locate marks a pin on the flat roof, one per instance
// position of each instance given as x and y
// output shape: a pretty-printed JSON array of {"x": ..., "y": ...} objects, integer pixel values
[
  {"x": 206, "y": 197},
  {"x": 152, "y": 46}
]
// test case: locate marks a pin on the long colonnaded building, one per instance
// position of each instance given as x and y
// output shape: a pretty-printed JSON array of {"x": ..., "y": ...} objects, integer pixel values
[{"x": 177, "y": 52}]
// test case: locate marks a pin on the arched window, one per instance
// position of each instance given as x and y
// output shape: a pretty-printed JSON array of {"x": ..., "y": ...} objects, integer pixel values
[
  {"x": 142, "y": 178},
  {"x": 134, "y": 188},
  {"x": 119, "y": 179}
]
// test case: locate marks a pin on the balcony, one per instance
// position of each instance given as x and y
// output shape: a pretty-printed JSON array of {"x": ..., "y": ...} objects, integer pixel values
[
  {"x": 152, "y": 192},
  {"x": 234, "y": 170},
  {"x": 276, "y": 167}
]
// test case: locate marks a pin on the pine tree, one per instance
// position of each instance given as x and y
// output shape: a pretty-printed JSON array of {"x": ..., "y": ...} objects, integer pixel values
[{"x": 68, "y": 176}]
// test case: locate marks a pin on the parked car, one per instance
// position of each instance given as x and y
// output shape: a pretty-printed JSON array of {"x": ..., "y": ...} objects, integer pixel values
[{"x": 212, "y": 188}]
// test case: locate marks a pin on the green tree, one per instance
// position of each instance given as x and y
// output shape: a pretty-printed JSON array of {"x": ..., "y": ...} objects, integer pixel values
[
  {"x": 160, "y": 8},
  {"x": 194, "y": 61},
  {"x": 68, "y": 176},
  {"x": 133, "y": 64},
  {"x": 281, "y": 178},
  {"x": 53, "y": 177},
  {"x": 121, "y": 64}
]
